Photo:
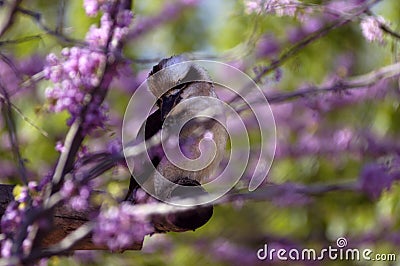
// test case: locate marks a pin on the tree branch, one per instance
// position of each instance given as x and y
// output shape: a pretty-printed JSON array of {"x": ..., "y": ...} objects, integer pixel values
[
  {"x": 311, "y": 38},
  {"x": 66, "y": 220},
  {"x": 8, "y": 14},
  {"x": 12, "y": 133},
  {"x": 356, "y": 82},
  {"x": 37, "y": 17}
]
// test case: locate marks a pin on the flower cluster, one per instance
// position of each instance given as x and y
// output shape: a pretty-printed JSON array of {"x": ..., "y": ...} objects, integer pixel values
[
  {"x": 14, "y": 213},
  {"x": 75, "y": 75},
  {"x": 11, "y": 219},
  {"x": 277, "y": 7},
  {"x": 77, "y": 197},
  {"x": 92, "y": 7},
  {"x": 23, "y": 195},
  {"x": 118, "y": 227},
  {"x": 371, "y": 28},
  {"x": 80, "y": 70},
  {"x": 116, "y": 29}
]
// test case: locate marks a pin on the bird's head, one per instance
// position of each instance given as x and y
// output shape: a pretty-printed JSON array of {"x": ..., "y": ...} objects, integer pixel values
[{"x": 171, "y": 76}]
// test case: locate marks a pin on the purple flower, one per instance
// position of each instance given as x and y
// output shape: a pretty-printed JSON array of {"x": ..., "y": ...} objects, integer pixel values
[
  {"x": 342, "y": 138},
  {"x": 23, "y": 195},
  {"x": 31, "y": 65},
  {"x": 11, "y": 218},
  {"x": 6, "y": 246},
  {"x": 60, "y": 147},
  {"x": 75, "y": 76},
  {"x": 77, "y": 197},
  {"x": 118, "y": 228},
  {"x": 44, "y": 181},
  {"x": 295, "y": 34},
  {"x": 79, "y": 203},
  {"x": 336, "y": 8},
  {"x": 141, "y": 197},
  {"x": 98, "y": 37},
  {"x": 311, "y": 24},
  {"x": 374, "y": 179},
  {"x": 124, "y": 18},
  {"x": 277, "y": 7},
  {"x": 268, "y": 46},
  {"x": 9, "y": 78},
  {"x": 33, "y": 185},
  {"x": 79, "y": 70},
  {"x": 67, "y": 189},
  {"x": 371, "y": 28},
  {"x": 91, "y": 7},
  {"x": 95, "y": 117},
  {"x": 114, "y": 146}
]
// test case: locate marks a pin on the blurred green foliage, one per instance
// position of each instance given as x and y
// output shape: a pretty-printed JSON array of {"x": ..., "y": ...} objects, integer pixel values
[{"x": 216, "y": 28}]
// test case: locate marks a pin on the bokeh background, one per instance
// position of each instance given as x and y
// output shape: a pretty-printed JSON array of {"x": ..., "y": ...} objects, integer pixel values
[{"x": 330, "y": 138}]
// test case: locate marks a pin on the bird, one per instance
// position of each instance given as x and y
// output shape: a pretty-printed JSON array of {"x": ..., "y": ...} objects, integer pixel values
[{"x": 173, "y": 81}]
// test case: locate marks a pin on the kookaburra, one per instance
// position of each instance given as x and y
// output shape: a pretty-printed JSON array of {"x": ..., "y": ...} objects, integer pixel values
[{"x": 173, "y": 81}]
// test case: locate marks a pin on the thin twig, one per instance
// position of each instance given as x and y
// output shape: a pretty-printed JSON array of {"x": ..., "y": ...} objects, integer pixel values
[
  {"x": 295, "y": 49},
  {"x": 388, "y": 30},
  {"x": 32, "y": 79},
  {"x": 311, "y": 38},
  {"x": 64, "y": 246},
  {"x": 36, "y": 16},
  {"x": 147, "y": 24},
  {"x": 60, "y": 18},
  {"x": 7, "y": 19},
  {"x": 357, "y": 82},
  {"x": 68, "y": 153},
  {"x": 20, "y": 40},
  {"x": 270, "y": 192},
  {"x": 10, "y": 64},
  {"x": 384, "y": 26},
  {"x": 12, "y": 133},
  {"x": 75, "y": 136},
  {"x": 28, "y": 120}
]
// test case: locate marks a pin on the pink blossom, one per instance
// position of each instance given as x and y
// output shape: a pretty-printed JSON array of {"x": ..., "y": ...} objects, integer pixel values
[
  {"x": 277, "y": 7},
  {"x": 371, "y": 28}
]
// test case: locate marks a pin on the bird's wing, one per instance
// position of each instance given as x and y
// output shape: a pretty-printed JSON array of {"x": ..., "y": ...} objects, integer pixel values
[{"x": 152, "y": 125}]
